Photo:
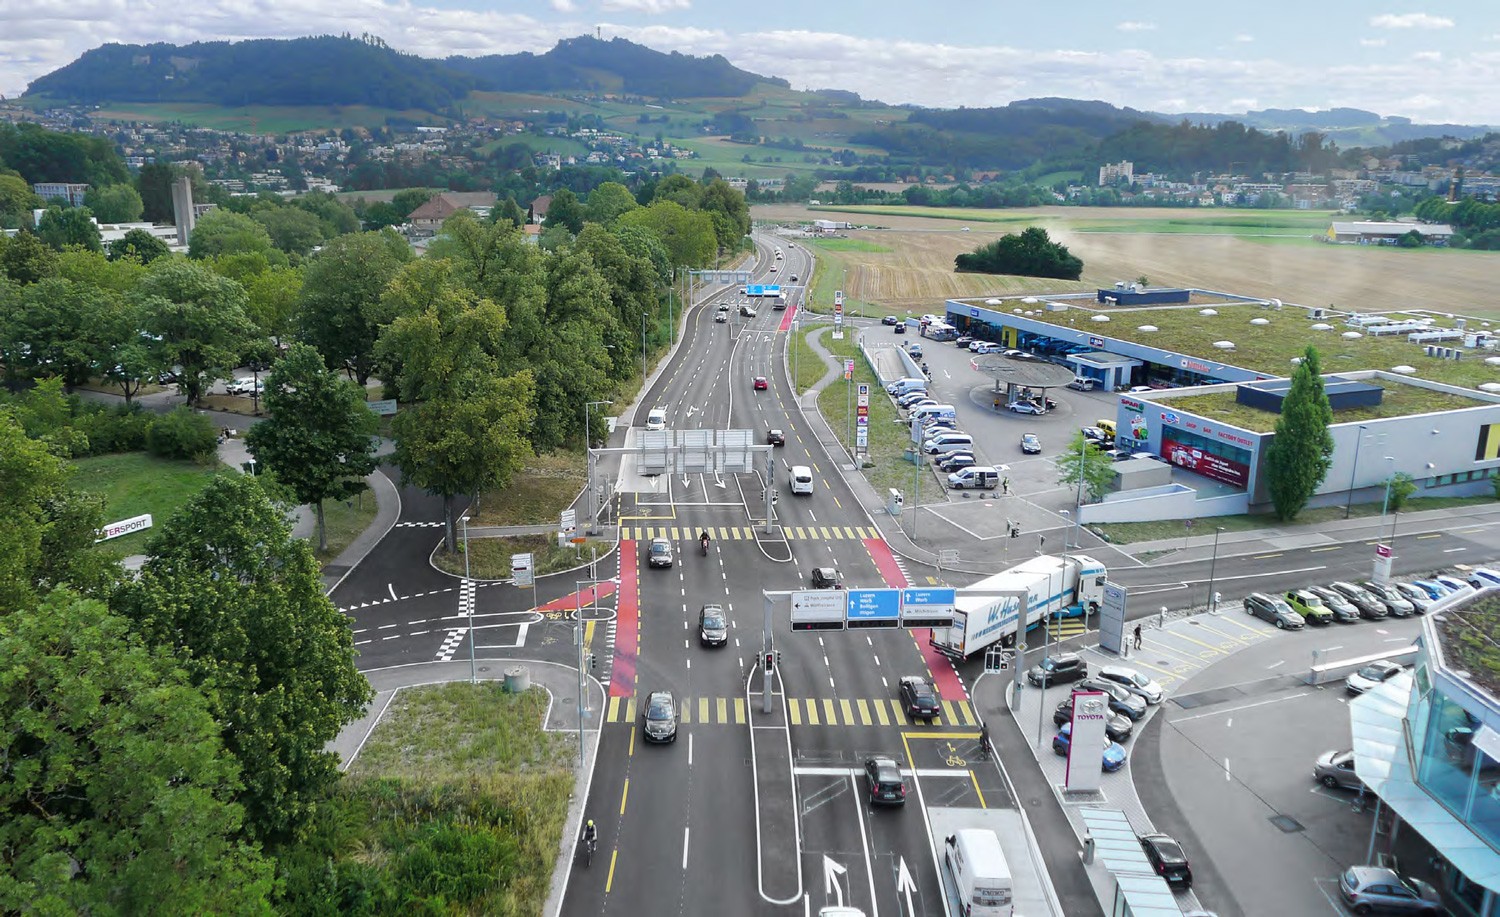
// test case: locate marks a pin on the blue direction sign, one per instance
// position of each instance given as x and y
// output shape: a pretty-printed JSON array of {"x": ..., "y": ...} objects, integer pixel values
[
  {"x": 874, "y": 608},
  {"x": 928, "y": 607}
]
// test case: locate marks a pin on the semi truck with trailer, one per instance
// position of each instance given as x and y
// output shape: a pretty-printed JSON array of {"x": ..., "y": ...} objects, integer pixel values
[{"x": 989, "y": 611}]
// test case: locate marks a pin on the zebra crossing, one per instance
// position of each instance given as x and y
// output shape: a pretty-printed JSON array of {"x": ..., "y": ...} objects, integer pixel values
[
  {"x": 808, "y": 711},
  {"x": 748, "y": 533},
  {"x": 419, "y": 525}
]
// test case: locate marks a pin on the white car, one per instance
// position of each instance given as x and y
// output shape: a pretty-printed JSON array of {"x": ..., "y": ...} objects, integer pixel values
[
  {"x": 1025, "y": 407},
  {"x": 1372, "y": 676},
  {"x": 245, "y": 387},
  {"x": 1134, "y": 682}
]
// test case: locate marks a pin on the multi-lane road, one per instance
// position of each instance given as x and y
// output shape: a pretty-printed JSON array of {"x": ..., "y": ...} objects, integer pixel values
[{"x": 746, "y": 812}]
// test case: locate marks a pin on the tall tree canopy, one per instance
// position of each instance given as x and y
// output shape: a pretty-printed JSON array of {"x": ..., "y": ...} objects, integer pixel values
[
  {"x": 241, "y": 603},
  {"x": 196, "y": 320},
  {"x": 342, "y": 310},
  {"x": 117, "y": 796},
  {"x": 1301, "y": 453}
]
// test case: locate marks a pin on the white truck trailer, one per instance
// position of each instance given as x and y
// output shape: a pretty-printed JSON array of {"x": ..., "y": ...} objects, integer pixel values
[{"x": 989, "y": 611}]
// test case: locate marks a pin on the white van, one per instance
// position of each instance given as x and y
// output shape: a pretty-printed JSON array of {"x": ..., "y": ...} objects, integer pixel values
[
  {"x": 975, "y": 477},
  {"x": 933, "y": 412},
  {"x": 801, "y": 479},
  {"x": 902, "y": 386},
  {"x": 656, "y": 419},
  {"x": 980, "y": 873},
  {"x": 956, "y": 441}
]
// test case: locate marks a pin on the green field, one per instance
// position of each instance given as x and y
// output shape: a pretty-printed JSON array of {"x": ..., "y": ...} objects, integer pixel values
[
  {"x": 135, "y": 483},
  {"x": 262, "y": 119},
  {"x": 457, "y": 803},
  {"x": 846, "y": 245}
]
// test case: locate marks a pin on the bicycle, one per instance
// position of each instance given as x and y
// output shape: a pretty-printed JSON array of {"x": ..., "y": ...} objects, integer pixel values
[{"x": 589, "y": 844}]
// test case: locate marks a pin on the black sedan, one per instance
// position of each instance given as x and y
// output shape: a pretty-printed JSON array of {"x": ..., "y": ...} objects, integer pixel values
[
  {"x": 1166, "y": 857},
  {"x": 954, "y": 461},
  {"x": 890, "y": 320},
  {"x": 775, "y": 438},
  {"x": 919, "y": 698}
]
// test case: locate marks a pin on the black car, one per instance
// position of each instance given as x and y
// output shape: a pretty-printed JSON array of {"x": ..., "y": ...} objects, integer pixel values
[
  {"x": 887, "y": 787},
  {"x": 1117, "y": 727},
  {"x": 899, "y": 329},
  {"x": 659, "y": 721},
  {"x": 963, "y": 340},
  {"x": 713, "y": 627},
  {"x": 827, "y": 578},
  {"x": 1057, "y": 669},
  {"x": 890, "y": 320},
  {"x": 1166, "y": 857},
  {"x": 919, "y": 698},
  {"x": 775, "y": 438},
  {"x": 954, "y": 461}
]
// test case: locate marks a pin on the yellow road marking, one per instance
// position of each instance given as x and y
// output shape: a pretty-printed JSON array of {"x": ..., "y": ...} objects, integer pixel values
[
  {"x": 812, "y": 713},
  {"x": 848, "y": 710},
  {"x": 1267, "y": 556},
  {"x": 610, "y": 880},
  {"x": 896, "y": 707},
  {"x": 1433, "y": 535},
  {"x": 739, "y": 711},
  {"x": 881, "y": 715},
  {"x": 837, "y": 503},
  {"x": 794, "y": 711},
  {"x": 624, "y": 792},
  {"x": 864, "y": 712},
  {"x": 614, "y": 710},
  {"x": 631, "y": 750},
  {"x": 630, "y": 709},
  {"x": 950, "y": 712},
  {"x": 829, "y": 716},
  {"x": 723, "y": 711},
  {"x": 702, "y": 709},
  {"x": 977, "y": 791}
]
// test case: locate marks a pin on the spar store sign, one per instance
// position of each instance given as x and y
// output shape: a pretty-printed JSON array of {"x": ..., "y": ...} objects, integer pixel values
[{"x": 124, "y": 527}]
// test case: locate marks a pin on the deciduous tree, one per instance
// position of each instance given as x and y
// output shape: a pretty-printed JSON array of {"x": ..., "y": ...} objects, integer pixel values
[
  {"x": 118, "y": 795},
  {"x": 118, "y": 203},
  {"x": 241, "y": 604},
  {"x": 341, "y": 311},
  {"x": 223, "y": 232},
  {"x": 1096, "y": 468},
  {"x": 466, "y": 424},
  {"x": 607, "y": 202},
  {"x": 1301, "y": 452},
  {"x": 196, "y": 320},
  {"x": 61, "y": 227},
  {"x": 319, "y": 438},
  {"x": 687, "y": 235},
  {"x": 138, "y": 244}
]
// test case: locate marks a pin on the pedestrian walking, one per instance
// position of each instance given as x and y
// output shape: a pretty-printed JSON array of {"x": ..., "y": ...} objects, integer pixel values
[
  {"x": 1137, "y": 636},
  {"x": 1005, "y": 486}
]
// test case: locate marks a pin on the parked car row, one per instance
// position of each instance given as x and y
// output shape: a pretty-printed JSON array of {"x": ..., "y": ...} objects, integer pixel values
[{"x": 1348, "y": 602}]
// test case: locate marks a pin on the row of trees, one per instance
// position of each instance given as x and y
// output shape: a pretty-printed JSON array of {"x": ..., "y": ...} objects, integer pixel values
[
  {"x": 165, "y": 732},
  {"x": 1029, "y": 253},
  {"x": 1478, "y": 222}
]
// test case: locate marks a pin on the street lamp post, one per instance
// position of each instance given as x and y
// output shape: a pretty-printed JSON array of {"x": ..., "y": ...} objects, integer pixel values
[
  {"x": 1358, "y": 439},
  {"x": 588, "y": 450},
  {"x": 643, "y": 354},
  {"x": 1041, "y": 706},
  {"x": 1212, "y": 605},
  {"x": 473, "y": 671}
]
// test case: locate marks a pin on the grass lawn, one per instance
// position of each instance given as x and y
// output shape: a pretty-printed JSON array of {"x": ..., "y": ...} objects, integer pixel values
[
  {"x": 889, "y": 440},
  {"x": 489, "y": 558},
  {"x": 135, "y": 483},
  {"x": 546, "y": 487},
  {"x": 1128, "y": 532},
  {"x": 1270, "y": 348},
  {"x": 345, "y": 520},
  {"x": 459, "y": 797}
]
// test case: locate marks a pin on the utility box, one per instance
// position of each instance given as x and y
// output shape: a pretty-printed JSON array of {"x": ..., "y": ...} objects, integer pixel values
[{"x": 894, "y": 502}]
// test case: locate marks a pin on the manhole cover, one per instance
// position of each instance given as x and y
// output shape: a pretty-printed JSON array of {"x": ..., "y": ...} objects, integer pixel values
[{"x": 1286, "y": 823}]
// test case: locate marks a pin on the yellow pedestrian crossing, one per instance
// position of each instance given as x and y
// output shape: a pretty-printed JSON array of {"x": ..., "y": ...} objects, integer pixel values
[
  {"x": 746, "y": 533},
  {"x": 808, "y": 711}
]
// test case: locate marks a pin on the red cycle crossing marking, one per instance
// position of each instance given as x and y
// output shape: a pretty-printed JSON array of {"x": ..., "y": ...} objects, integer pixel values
[
  {"x": 786, "y": 317},
  {"x": 584, "y": 597},
  {"x": 627, "y": 625},
  {"x": 944, "y": 677}
]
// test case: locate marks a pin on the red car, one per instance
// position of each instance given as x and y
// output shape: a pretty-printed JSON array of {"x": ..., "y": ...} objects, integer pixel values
[{"x": 760, "y": 383}]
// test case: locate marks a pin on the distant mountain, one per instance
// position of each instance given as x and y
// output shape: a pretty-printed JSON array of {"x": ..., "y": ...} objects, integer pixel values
[
  {"x": 1348, "y": 127},
  {"x": 341, "y": 70},
  {"x": 326, "y": 70},
  {"x": 616, "y": 65}
]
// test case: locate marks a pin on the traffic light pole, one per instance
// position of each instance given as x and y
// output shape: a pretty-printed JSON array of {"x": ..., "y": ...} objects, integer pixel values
[{"x": 767, "y": 658}]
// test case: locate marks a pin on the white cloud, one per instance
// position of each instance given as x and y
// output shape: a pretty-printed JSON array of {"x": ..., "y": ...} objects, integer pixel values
[
  {"x": 649, "y": 7},
  {"x": 1428, "y": 56},
  {"x": 1372, "y": 42},
  {"x": 1410, "y": 21},
  {"x": 1244, "y": 39},
  {"x": 563, "y": 6},
  {"x": 1136, "y": 26}
]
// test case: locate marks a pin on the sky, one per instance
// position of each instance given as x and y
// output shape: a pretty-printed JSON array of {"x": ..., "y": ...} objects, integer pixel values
[{"x": 1428, "y": 60}]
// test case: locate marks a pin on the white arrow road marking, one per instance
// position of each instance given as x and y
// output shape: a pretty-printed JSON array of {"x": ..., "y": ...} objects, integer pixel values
[
  {"x": 831, "y": 872},
  {"x": 905, "y": 885}
]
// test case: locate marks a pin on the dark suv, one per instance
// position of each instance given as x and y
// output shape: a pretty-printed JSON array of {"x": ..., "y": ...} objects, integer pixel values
[
  {"x": 919, "y": 697},
  {"x": 886, "y": 784},
  {"x": 1058, "y": 669},
  {"x": 827, "y": 578},
  {"x": 1273, "y": 610}
]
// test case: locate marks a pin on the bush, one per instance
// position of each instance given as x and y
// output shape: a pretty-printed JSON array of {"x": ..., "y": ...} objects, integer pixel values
[
  {"x": 182, "y": 434},
  {"x": 117, "y": 429},
  {"x": 1031, "y": 253}
]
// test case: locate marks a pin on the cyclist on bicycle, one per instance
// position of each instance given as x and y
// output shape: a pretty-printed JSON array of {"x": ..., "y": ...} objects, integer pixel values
[
  {"x": 590, "y": 833},
  {"x": 984, "y": 739}
]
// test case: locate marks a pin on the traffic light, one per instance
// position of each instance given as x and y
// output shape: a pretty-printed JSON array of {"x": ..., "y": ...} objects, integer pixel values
[
  {"x": 593, "y": 662},
  {"x": 770, "y": 662},
  {"x": 778, "y": 657}
]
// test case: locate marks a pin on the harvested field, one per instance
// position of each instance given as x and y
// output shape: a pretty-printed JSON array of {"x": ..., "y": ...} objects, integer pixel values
[{"x": 1237, "y": 251}]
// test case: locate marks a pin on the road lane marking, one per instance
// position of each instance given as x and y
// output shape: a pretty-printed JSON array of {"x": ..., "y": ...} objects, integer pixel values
[
  {"x": 977, "y": 791},
  {"x": 1267, "y": 556},
  {"x": 624, "y": 792},
  {"x": 610, "y": 880},
  {"x": 684, "y": 829},
  {"x": 722, "y": 708},
  {"x": 830, "y": 715},
  {"x": 702, "y": 709},
  {"x": 812, "y": 714},
  {"x": 880, "y": 714},
  {"x": 848, "y": 711},
  {"x": 1274, "y": 700},
  {"x": 794, "y": 711},
  {"x": 739, "y": 711},
  {"x": 864, "y": 712},
  {"x": 690, "y": 757}
]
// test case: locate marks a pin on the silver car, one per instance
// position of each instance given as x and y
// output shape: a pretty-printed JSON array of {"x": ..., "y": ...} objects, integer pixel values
[
  {"x": 1335, "y": 769},
  {"x": 1134, "y": 682}
]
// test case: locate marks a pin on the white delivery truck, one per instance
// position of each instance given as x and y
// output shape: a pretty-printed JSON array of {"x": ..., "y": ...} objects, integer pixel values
[
  {"x": 989, "y": 611},
  {"x": 981, "y": 874}
]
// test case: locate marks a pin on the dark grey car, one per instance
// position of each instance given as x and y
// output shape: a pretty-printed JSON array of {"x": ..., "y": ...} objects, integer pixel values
[
  {"x": 1369, "y": 606},
  {"x": 713, "y": 628},
  {"x": 1396, "y": 603},
  {"x": 1273, "y": 610}
]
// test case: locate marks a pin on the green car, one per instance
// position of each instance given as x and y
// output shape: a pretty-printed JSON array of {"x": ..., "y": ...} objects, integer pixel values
[{"x": 1309, "y": 606}]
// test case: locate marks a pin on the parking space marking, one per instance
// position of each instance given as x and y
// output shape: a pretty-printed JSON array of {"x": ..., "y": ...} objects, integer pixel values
[{"x": 1260, "y": 703}]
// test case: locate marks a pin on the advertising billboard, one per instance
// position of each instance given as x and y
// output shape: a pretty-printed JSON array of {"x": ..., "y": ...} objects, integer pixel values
[{"x": 1205, "y": 463}]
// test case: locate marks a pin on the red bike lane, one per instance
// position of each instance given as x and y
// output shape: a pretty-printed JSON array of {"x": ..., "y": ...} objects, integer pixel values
[
  {"x": 944, "y": 676},
  {"x": 627, "y": 624}
]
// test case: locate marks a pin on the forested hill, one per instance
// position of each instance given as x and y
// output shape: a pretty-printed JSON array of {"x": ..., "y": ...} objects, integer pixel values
[
  {"x": 342, "y": 70},
  {"x": 612, "y": 66},
  {"x": 326, "y": 70}
]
